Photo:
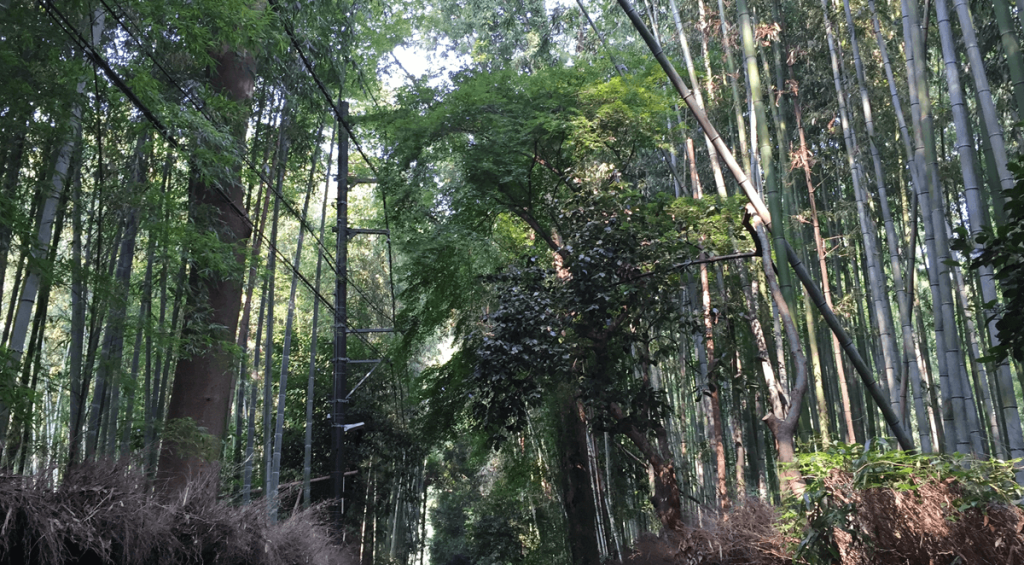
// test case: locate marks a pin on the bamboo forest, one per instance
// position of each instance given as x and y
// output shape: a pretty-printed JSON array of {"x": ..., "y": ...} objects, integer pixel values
[{"x": 503, "y": 282}]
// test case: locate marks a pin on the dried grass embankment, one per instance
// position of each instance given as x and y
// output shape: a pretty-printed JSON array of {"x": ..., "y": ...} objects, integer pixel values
[
  {"x": 106, "y": 515},
  {"x": 887, "y": 527}
]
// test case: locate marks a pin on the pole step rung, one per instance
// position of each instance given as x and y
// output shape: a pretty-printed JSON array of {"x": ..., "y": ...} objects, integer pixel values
[{"x": 357, "y": 231}]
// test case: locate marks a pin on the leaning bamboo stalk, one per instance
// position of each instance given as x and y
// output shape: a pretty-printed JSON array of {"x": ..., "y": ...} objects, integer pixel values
[
  {"x": 762, "y": 212},
  {"x": 819, "y": 244},
  {"x": 716, "y": 168}
]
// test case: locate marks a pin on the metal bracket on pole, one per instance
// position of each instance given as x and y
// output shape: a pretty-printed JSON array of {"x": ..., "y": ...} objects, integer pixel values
[{"x": 360, "y": 231}]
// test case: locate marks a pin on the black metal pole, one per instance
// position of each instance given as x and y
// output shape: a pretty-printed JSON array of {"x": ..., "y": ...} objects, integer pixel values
[{"x": 338, "y": 398}]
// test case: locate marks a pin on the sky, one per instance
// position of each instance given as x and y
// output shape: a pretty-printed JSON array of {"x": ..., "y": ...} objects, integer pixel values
[{"x": 419, "y": 61}]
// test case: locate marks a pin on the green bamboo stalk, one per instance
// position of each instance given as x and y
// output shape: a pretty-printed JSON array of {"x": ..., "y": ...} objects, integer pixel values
[
  {"x": 757, "y": 206},
  {"x": 876, "y": 284}
]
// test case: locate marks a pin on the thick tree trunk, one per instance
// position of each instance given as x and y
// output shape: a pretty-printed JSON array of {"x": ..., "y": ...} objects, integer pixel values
[
  {"x": 201, "y": 394},
  {"x": 577, "y": 492}
]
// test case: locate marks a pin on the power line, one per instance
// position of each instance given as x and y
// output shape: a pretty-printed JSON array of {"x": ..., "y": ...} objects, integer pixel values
[
  {"x": 320, "y": 85},
  {"x": 86, "y": 46},
  {"x": 330, "y": 100},
  {"x": 76, "y": 37},
  {"x": 200, "y": 106},
  {"x": 341, "y": 120}
]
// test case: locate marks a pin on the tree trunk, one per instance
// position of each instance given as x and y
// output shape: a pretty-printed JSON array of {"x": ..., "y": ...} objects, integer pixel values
[
  {"x": 666, "y": 489},
  {"x": 201, "y": 395},
  {"x": 577, "y": 492}
]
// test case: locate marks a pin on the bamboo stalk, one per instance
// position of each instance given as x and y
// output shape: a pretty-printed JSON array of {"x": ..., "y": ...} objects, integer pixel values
[{"x": 757, "y": 206}]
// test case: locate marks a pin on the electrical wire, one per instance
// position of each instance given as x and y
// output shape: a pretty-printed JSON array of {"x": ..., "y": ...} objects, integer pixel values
[
  {"x": 337, "y": 112},
  {"x": 58, "y": 17},
  {"x": 86, "y": 46},
  {"x": 82, "y": 43},
  {"x": 200, "y": 106}
]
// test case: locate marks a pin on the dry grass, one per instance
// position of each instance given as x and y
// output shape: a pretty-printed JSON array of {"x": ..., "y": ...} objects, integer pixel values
[
  {"x": 745, "y": 535},
  {"x": 896, "y": 528},
  {"x": 925, "y": 527},
  {"x": 105, "y": 514}
]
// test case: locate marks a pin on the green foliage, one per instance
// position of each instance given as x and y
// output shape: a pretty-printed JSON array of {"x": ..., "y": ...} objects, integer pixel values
[
  {"x": 833, "y": 475},
  {"x": 583, "y": 322},
  {"x": 191, "y": 440},
  {"x": 490, "y": 508}
]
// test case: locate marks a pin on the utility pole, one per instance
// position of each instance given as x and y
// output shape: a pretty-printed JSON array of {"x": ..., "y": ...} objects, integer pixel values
[
  {"x": 341, "y": 393},
  {"x": 340, "y": 397}
]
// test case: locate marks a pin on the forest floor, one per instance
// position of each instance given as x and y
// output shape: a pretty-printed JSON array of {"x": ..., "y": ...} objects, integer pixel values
[
  {"x": 103, "y": 514},
  {"x": 929, "y": 525}
]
